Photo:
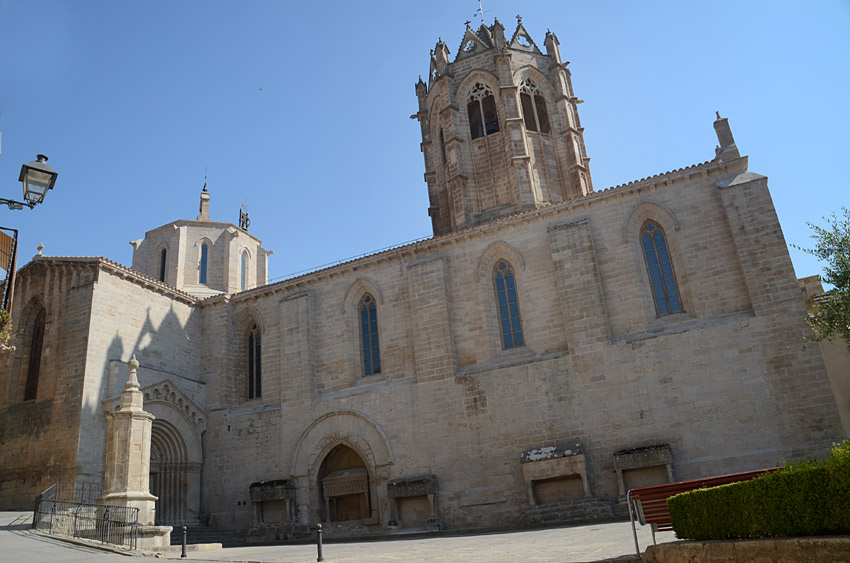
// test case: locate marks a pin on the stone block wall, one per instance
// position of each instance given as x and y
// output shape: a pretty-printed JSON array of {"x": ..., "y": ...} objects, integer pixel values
[
  {"x": 715, "y": 382},
  {"x": 133, "y": 316},
  {"x": 38, "y": 438}
]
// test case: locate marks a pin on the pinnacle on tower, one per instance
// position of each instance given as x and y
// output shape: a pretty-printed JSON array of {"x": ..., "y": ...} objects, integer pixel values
[
  {"x": 205, "y": 205},
  {"x": 727, "y": 149}
]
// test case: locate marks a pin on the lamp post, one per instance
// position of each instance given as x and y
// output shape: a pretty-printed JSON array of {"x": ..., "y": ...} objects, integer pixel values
[{"x": 37, "y": 177}]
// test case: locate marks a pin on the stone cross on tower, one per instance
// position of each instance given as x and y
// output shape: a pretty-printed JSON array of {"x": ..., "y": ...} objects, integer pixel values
[{"x": 127, "y": 464}]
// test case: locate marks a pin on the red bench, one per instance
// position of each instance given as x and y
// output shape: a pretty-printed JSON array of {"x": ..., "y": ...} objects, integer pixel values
[{"x": 648, "y": 505}]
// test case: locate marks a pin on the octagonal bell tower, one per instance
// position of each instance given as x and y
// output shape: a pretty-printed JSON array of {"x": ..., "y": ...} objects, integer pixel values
[{"x": 500, "y": 129}]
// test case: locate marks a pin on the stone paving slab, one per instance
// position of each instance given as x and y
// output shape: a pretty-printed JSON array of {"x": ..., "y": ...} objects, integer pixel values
[
  {"x": 595, "y": 542},
  {"x": 592, "y": 542}
]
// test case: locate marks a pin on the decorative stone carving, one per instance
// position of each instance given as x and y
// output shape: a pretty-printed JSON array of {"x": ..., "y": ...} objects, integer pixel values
[
  {"x": 412, "y": 487},
  {"x": 550, "y": 452},
  {"x": 408, "y": 488},
  {"x": 551, "y": 463},
  {"x": 645, "y": 457},
  {"x": 273, "y": 491},
  {"x": 346, "y": 482}
]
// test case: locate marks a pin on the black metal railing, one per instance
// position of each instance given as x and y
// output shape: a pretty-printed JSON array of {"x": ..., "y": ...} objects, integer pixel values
[
  {"x": 76, "y": 491},
  {"x": 117, "y": 525},
  {"x": 69, "y": 491}
]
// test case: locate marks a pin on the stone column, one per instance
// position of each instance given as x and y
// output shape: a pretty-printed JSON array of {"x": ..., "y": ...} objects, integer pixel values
[{"x": 127, "y": 470}]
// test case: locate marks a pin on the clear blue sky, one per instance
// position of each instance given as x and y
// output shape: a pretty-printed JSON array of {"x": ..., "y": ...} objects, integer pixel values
[{"x": 302, "y": 110}]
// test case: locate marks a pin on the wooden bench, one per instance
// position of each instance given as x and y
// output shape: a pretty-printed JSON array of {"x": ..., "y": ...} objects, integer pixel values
[{"x": 648, "y": 505}]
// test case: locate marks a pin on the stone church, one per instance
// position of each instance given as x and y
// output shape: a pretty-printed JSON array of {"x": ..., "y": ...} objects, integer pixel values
[{"x": 550, "y": 347}]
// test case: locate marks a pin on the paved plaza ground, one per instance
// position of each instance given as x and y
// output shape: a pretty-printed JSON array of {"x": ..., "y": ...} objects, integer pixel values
[{"x": 593, "y": 542}]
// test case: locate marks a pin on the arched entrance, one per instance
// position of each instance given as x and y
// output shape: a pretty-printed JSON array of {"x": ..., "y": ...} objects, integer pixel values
[
  {"x": 319, "y": 454},
  {"x": 343, "y": 481},
  {"x": 176, "y": 454},
  {"x": 169, "y": 478}
]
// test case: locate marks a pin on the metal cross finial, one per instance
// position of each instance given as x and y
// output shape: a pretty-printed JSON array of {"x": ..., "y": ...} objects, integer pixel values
[
  {"x": 467, "y": 22},
  {"x": 518, "y": 18},
  {"x": 481, "y": 12}
]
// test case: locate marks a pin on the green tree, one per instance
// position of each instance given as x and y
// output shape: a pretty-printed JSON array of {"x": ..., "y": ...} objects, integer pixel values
[{"x": 831, "y": 316}]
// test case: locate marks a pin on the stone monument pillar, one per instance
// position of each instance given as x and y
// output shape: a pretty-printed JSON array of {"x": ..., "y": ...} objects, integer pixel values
[{"x": 127, "y": 465}]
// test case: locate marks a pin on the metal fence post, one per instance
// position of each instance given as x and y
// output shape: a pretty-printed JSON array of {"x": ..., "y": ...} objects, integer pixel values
[{"x": 319, "y": 542}]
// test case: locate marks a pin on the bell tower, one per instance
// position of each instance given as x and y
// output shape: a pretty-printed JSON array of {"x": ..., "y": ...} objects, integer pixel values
[{"x": 500, "y": 128}]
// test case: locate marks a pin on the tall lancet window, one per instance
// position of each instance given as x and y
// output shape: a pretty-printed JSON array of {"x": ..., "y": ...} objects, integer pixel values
[
  {"x": 162, "y": 258},
  {"x": 255, "y": 372},
  {"x": 661, "y": 275},
  {"x": 202, "y": 267},
  {"x": 481, "y": 108},
  {"x": 369, "y": 335},
  {"x": 243, "y": 283},
  {"x": 533, "y": 107},
  {"x": 442, "y": 146},
  {"x": 36, "y": 345},
  {"x": 506, "y": 298}
]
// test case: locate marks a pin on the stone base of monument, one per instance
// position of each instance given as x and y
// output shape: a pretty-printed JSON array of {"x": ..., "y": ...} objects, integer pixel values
[{"x": 153, "y": 538}]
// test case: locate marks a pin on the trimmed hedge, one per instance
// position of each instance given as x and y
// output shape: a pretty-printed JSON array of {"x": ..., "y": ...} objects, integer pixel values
[{"x": 806, "y": 498}]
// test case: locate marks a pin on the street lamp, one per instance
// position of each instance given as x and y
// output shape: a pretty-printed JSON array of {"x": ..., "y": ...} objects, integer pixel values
[{"x": 37, "y": 177}]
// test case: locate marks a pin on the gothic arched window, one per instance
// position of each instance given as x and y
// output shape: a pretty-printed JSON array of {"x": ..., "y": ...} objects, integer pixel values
[
  {"x": 244, "y": 271},
  {"x": 202, "y": 267},
  {"x": 661, "y": 276},
  {"x": 533, "y": 107},
  {"x": 34, "y": 368},
  {"x": 369, "y": 335},
  {"x": 255, "y": 372},
  {"x": 506, "y": 298},
  {"x": 162, "y": 257},
  {"x": 481, "y": 108}
]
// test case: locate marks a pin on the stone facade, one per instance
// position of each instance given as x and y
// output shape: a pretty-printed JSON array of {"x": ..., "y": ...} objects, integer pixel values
[
  {"x": 452, "y": 423},
  {"x": 835, "y": 354}
]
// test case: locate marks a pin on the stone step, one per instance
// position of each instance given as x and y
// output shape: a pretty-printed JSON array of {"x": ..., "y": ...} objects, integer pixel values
[
  {"x": 206, "y": 534},
  {"x": 579, "y": 510}
]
